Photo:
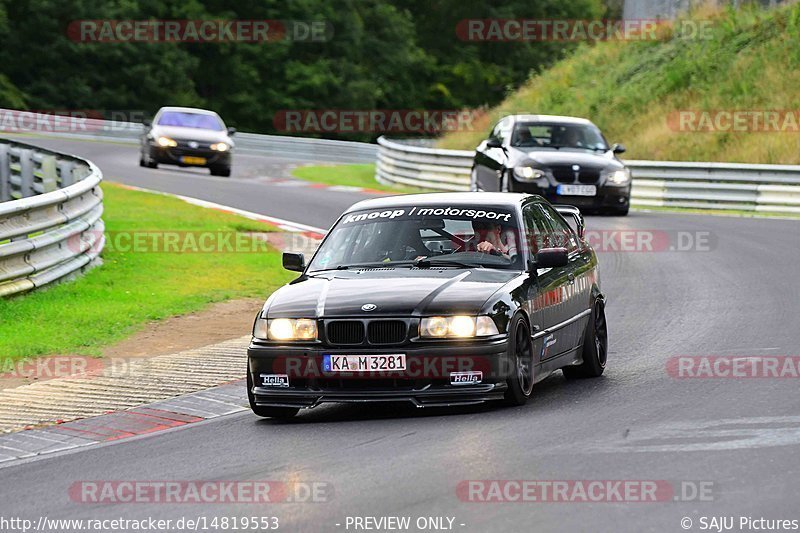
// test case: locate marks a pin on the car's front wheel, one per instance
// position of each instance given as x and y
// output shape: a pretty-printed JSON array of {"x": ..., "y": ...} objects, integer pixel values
[
  {"x": 145, "y": 160},
  {"x": 221, "y": 170},
  {"x": 520, "y": 355},
  {"x": 265, "y": 411},
  {"x": 619, "y": 211},
  {"x": 595, "y": 346}
]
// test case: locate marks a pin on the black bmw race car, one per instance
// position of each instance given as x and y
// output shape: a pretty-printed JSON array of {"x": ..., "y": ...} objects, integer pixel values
[
  {"x": 433, "y": 299},
  {"x": 565, "y": 159},
  {"x": 187, "y": 137}
]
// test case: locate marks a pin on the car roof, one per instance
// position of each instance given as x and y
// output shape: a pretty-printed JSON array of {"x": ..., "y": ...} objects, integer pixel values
[
  {"x": 509, "y": 199},
  {"x": 196, "y": 110},
  {"x": 549, "y": 118}
]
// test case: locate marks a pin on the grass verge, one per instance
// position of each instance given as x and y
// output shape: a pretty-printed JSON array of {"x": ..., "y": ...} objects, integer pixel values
[
  {"x": 134, "y": 285},
  {"x": 742, "y": 61},
  {"x": 349, "y": 175}
]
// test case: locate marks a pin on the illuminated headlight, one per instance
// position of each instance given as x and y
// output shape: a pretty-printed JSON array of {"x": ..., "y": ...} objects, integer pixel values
[
  {"x": 166, "y": 142},
  {"x": 457, "y": 327},
  {"x": 528, "y": 173},
  {"x": 220, "y": 147},
  {"x": 285, "y": 329},
  {"x": 619, "y": 177}
]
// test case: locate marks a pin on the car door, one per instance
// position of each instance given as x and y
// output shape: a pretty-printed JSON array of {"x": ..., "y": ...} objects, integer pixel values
[
  {"x": 577, "y": 291},
  {"x": 489, "y": 163},
  {"x": 546, "y": 305}
]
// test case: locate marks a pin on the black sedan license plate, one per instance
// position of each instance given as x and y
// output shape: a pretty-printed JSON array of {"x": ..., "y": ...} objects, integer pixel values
[
  {"x": 577, "y": 190},
  {"x": 363, "y": 363}
]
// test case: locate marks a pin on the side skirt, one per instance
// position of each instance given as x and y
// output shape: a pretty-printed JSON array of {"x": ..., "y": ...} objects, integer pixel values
[{"x": 547, "y": 367}]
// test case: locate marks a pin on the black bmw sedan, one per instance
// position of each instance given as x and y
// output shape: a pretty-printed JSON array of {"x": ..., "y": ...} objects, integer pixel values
[
  {"x": 187, "y": 137},
  {"x": 565, "y": 159},
  {"x": 433, "y": 299}
]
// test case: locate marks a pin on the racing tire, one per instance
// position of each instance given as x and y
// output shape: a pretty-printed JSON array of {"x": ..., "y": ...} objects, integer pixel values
[
  {"x": 220, "y": 171},
  {"x": 147, "y": 161},
  {"x": 263, "y": 411},
  {"x": 595, "y": 346},
  {"x": 520, "y": 355}
]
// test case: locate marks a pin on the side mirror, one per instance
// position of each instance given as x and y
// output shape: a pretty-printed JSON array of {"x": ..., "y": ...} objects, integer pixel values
[
  {"x": 551, "y": 258},
  {"x": 294, "y": 262},
  {"x": 147, "y": 123},
  {"x": 494, "y": 142},
  {"x": 231, "y": 131},
  {"x": 618, "y": 148}
]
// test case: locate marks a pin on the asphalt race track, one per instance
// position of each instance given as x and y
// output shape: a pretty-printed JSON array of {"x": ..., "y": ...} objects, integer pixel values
[{"x": 735, "y": 294}]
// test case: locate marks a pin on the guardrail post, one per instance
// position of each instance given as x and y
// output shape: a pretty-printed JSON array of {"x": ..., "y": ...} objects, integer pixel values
[
  {"x": 5, "y": 185},
  {"x": 26, "y": 173},
  {"x": 65, "y": 170},
  {"x": 49, "y": 173}
]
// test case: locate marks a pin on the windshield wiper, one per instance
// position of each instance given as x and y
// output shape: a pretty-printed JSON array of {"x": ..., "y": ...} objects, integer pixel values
[
  {"x": 356, "y": 266},
  {"x": 433, "y": 261},
  {"x": 560, "y": 146},
  {"x": 340, "y": 267}
]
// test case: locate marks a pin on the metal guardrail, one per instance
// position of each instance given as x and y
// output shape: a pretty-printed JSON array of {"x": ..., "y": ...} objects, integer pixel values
[
  {"x": 50, "y": 208},
  {"x": 294, "y": 148},
  {"x": 731, "y": 186}
]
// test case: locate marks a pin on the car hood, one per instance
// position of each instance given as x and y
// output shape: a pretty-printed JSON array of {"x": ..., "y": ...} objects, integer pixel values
[
  {"x": 191, "y": 134},
  {"x": 394, "y": 292},
  {"x": 548, "y": 158}
]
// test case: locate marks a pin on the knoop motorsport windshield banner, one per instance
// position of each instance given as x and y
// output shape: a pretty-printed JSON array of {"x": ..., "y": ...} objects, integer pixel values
[{"x": 416, "y": 213}]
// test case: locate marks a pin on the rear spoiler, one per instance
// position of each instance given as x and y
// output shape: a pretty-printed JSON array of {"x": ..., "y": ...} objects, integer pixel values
[{"x": 575, "y": 213}]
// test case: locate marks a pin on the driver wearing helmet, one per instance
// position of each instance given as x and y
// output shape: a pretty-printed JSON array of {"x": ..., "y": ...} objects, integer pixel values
[{"x": 492, "y": 238}]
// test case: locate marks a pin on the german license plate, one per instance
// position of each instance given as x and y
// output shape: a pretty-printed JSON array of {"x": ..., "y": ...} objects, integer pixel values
[
  {"x": 191, "y": 160},
  {"x": 576, "y": 190},
  {"x": 363, "y": 363}
]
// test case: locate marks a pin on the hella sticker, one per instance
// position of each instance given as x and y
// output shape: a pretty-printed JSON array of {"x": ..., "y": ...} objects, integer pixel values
[
  {"x": 466, "y": 378},
  {"x": 274, "y": 380}
]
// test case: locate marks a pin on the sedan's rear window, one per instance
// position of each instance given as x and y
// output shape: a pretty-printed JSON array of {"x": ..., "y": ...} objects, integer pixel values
[{"x": 190, "y": 120}]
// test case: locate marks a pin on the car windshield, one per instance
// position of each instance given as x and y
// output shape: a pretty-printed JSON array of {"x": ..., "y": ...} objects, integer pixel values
[
  {"x": 465, "y": 236},
  {"x": 191, "y": 120},
  {"x": 553, "y": 135}
]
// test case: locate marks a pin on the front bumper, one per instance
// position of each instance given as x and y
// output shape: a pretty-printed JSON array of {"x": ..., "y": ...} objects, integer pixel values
[
  {"x": 607, "y": 197},
  {"x": 176, "y": 155},
  {"x": 425, "y": 382}
]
